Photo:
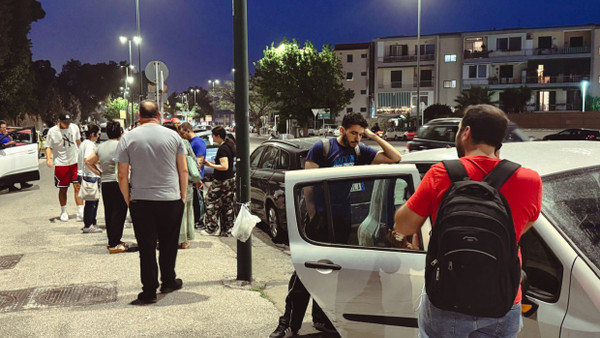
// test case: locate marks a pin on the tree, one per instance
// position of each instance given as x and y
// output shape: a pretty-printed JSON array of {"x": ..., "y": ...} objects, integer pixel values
[
  {"x": 259, "y": 105},
  {"x": 16, "y": 77},
  {"x": 299, "y": 79},
  {"x": 48, "y": 103},
  {"x": 514, "y": 100},
  {"x": 474, "y": 95},
  {"x": 114, "y": 107},
  {"x": 437, "y": 110}
]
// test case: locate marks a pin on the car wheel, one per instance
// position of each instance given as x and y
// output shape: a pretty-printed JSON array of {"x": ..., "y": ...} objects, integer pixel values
[{"x": 273, "y": 224}]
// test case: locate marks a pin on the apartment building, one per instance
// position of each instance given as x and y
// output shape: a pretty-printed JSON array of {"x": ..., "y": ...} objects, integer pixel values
[
  {"x": 553, "y": 62},
  {"x": 355, "y": 58}
]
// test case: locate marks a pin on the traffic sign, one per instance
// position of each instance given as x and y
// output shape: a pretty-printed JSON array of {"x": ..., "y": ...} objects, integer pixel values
[{"x": 153, "y": 74}]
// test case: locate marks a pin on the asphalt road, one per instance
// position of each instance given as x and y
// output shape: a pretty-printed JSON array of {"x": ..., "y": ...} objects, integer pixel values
[{"x": 57, "y": 282}]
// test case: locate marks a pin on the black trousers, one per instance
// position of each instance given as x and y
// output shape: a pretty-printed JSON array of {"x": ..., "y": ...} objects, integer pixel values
[
  {"x": 296, "y": 303},
  {"x": 115, "y": 212},
  {"x": 152, "y": 221}
]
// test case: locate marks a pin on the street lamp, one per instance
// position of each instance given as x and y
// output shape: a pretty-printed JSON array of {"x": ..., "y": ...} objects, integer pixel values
[
  {"x": 584, "y": 85},
  {"x": 138, "y": 37},
  {"x": 125, "y": 39},
  {"x": 194, "y": 91},
  {"x": 419, "y": 62},
  {"x": 213, "y": 82}
]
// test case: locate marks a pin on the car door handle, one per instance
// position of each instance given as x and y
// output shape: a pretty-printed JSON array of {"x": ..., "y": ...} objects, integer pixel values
[{"x": 322, "y": 264}]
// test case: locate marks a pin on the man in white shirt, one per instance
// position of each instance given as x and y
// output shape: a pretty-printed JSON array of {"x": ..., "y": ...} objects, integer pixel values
[{"x": 62, "y": 141}]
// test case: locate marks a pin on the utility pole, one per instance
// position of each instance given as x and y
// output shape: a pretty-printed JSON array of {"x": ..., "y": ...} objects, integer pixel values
[{"x": 240, "y": 60}]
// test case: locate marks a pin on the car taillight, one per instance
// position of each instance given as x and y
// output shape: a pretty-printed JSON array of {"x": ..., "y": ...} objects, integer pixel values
[{"x": 591, "y": 137}]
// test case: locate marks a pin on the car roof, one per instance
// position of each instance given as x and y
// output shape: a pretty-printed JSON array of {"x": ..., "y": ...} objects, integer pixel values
[
  {"x": 445, "y": 120},
  {"x": 304, "y": 143},
  {"x": 542, "y": 156}
]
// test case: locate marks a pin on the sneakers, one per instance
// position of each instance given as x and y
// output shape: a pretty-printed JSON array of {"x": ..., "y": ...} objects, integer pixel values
[
  {"x": 90, "y": 229},
  {"x": 123, "y": 247},
  {"x": 174, "y": 286},
  {"x": 64, "y": 217},
  {"x": 79, "y": 217},
  {"x": 205, "y": 232},
  {"x": 282, "y": 331},
  {"x": 324, "y": 327}
]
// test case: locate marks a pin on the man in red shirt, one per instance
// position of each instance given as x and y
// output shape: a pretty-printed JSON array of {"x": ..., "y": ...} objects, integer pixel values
[{"x": 480, "y": 133}]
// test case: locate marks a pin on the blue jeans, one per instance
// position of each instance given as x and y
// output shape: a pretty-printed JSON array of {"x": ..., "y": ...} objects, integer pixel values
[
  {"x": 434, "y": 322},
  {"x": 90, "y": 208}
]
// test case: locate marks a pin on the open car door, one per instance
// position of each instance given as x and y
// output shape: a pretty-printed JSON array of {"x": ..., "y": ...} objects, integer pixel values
[{"x": 344, "y": 254}]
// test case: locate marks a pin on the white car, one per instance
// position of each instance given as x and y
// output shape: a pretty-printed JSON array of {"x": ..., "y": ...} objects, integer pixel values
[
  {"x": 367, "y": 287},
  {"x": 19, "y": 163}
]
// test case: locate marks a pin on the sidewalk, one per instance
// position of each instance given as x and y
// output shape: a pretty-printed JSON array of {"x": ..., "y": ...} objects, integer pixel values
[{"x": 62, "y": 283}]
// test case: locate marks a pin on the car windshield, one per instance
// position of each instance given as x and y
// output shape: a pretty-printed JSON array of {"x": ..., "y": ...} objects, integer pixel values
[
  {"x": 438, "y": 132},
  {"x": 571, "y": 201},
  {"x": 516, "y": 135}
]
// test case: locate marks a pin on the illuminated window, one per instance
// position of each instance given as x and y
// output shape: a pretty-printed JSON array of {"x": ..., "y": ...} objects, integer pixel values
[
  {"x": 449, "y": 83},
  {"x": 450, "y": 58}
]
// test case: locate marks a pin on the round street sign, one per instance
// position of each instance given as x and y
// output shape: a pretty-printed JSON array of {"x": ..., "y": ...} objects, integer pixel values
[{"x": 151, "y": 73}]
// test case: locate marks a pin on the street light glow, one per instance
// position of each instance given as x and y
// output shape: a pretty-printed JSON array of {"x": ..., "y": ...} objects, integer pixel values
[
  {"x": 137, "y": 39},
  {"x": 123, "y": 39}
]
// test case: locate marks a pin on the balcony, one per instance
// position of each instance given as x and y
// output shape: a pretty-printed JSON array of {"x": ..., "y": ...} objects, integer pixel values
[
  {"x": 561, "y": 78},
  {"x": 406, "y": 85},
  {"x": 406, "y": 58},
  {"x": 527, "y": 52}
]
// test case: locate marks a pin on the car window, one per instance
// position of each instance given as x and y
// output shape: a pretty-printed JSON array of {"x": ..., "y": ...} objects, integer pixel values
[
  {"x": 565, "y": 132},
  {"x": 571, "y": 201},
  {"x": 544, "y": 270},
  {"x": 255, "y": 157},
  {"x": 283, "y": 160},
  {"x": 269, "y": 158},
  {"x": 438, "y": 133},
  {"x": 352, "y": 212},
  {"x": 516, "y": 135}
]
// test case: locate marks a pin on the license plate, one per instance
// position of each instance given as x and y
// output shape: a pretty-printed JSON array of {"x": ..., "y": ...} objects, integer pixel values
[{"x": 357, "y": 187}]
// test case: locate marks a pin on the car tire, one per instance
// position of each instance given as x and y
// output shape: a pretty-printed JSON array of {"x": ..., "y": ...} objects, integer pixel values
[{"x": 273, "y": 224}]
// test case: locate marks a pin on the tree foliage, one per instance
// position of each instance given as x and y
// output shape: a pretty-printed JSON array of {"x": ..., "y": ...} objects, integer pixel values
[
  {"x": 514, "y": 100},
  {"x": 16, "y": 77},
  {"x": 301, "y": 78},
  {"x": 437, "y": 110},
  {"x": 474, "y": 95},
  {"x": 114, "y": 106}
]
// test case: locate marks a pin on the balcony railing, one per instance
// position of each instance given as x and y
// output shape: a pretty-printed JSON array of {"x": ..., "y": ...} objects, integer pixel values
[
  {"x": 561, "y": 78},
  {"x": 526, "y": 52},
  {"x": 407, "y": 58},
  {"x": 400, "y": 84}
]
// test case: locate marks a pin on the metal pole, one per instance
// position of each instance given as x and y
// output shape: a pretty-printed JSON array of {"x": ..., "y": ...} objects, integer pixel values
[
  {"x": 126, "y": 94},
  {"x": 156, "y": 83},
  {"x": 240, "y": 57},
  {"x": 139, "y": 35},
  {"x": 130, "y": 100},
  {"x": 418, "y": 61}
]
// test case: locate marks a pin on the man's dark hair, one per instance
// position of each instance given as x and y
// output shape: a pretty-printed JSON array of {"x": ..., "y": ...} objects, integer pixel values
[
  {"x": 488, "y": 124},
  {"x": 148, "y": 109},
  {"x": 2, "y": 122},
  {"x": 354, "y": 119},
  {"x": 92, "y": 129},
  {"x": 113, "y": 129},
  {"x": 186, "y": 126},
  {"x": 219, "y": 131}
]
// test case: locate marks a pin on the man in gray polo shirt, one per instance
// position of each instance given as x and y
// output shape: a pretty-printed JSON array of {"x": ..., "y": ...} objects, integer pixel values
[{"x": 159, "y": 178}]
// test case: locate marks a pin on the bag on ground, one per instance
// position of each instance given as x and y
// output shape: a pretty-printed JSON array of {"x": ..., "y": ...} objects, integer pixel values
[
  {"x": 472, "y": 260},
  {"x": 244, "y": 223}
]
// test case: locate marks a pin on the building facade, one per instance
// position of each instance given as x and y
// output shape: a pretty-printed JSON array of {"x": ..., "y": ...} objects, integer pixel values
[
  {"x": 554, "y": 62},
  {"x": 355, "y": 58}
]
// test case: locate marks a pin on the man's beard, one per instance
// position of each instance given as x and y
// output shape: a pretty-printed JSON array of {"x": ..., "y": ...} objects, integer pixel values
[
  {"x": 460, "y": 149},
  {"x": 345, "y": 141}
]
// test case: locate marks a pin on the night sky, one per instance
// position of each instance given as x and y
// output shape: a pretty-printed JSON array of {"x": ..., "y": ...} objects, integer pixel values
[{"x": 194, "y": 38}]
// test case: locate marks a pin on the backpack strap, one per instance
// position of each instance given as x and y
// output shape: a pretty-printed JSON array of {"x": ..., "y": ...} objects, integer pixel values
[
  {"x": 456, "y": 170},
  {"x": 501, "y": 173},
  {"x": 326, "y": 147}
]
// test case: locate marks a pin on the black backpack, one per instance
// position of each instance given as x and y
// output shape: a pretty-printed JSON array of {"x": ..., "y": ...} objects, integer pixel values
[{"x": 472, "y": 260}]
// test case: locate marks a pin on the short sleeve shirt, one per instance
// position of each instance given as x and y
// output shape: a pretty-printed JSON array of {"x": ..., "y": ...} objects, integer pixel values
[
  {"x": 4, "y": 139},
  {"x": 523, "y": 192},
  {"x": 225, "y": 150},
  {"x": 63, "y": 143},
  {"x": 340, "y": 156},
  {"x": 86, "y": 149},
  {"x": 199, "y": 147},
  {"x": 106, "y": 152},
  {"x": 151, "y": 151}
]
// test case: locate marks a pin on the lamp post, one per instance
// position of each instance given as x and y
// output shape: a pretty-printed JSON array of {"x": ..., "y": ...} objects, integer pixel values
[
  {"x": 584, "y": 85},
  {"x": 213, "y": 82},
  {"x": 138, "y": 37},
  {"x": 194, "y": 91},
  {"x": 125, "y": 39},
  {"x": 418, "y": 61}
]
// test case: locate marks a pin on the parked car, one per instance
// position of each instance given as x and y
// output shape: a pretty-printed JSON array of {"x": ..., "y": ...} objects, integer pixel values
[
  {"x": 211, "y": 152},
  {"x": 19, "y": 163},
  {"x": 268, "y": 164},
  {"x": 399, "y": 134},
  {"x": 441, "y": 133},
  {"x": 330, "y": 130},
  {"x": 369, "y": 288},
  {"x": 575, "y": 134}
]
